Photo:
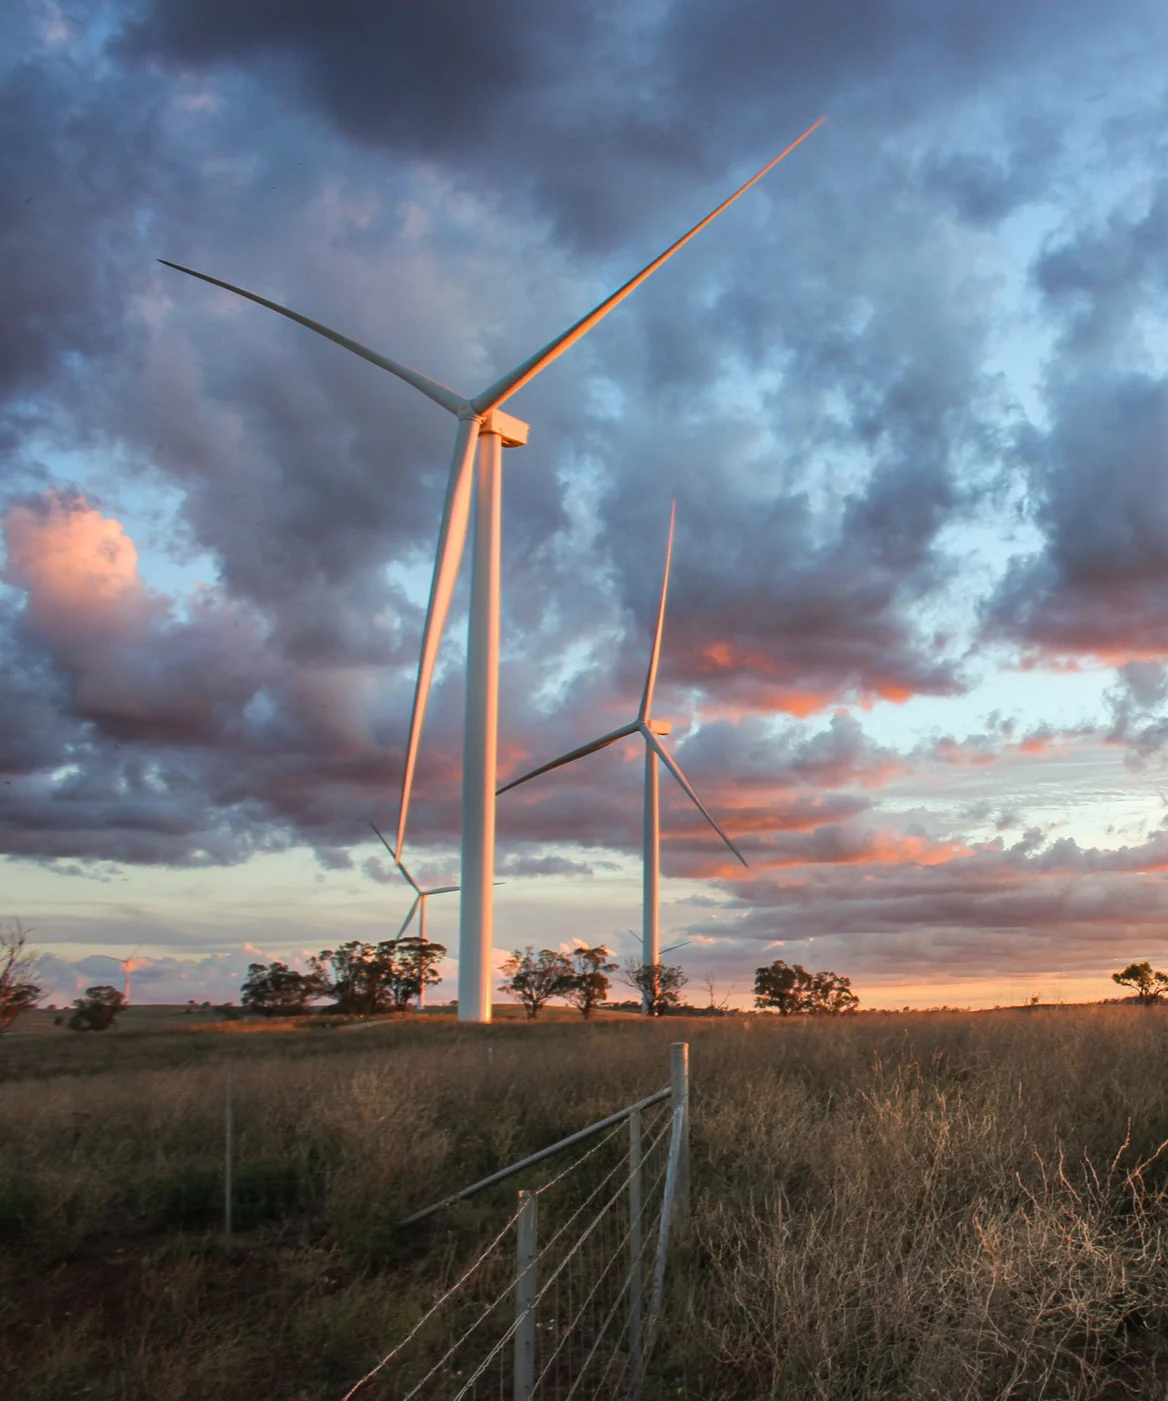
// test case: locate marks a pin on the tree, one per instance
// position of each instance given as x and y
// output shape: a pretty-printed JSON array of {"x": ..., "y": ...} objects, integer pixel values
[
  {"x": 535, "y": 978},
  {"x": 779, "y": 987},
  {"x": 1150, "y": 984},
  {"x": 587, "y": 985},
  {"x": 276, "y": 990},
  {"x": 97, "y": 1010},
  {"x": 830, "y": 995},
  {"x": 367, "y": 978},
  {"x": 415, "y": 966},
  {"x": 716, "y": 1004},
  {"x": 659, "y": 984},
  {"x": 358, "y": 976},
  {"x": 18, "y": 992},
  {"x": 790, "y": 990}
]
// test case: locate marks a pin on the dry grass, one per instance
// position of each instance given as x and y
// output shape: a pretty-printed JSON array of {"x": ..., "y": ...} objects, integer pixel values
[{"x": 946, "y": 1206}]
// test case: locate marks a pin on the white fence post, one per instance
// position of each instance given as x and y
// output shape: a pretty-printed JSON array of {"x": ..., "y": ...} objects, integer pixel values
[
  {"x": 636, "y": 1240},
  {"x": 228, "y": 1146},
  {"x": 525, "y": 1290},
  {"x": 679, "y": 1087}
]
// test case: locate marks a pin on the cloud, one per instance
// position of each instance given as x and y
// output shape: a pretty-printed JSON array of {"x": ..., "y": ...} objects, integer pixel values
[
  {"x": 994, "y": 911},
  {"x": 530, "y": 864}
]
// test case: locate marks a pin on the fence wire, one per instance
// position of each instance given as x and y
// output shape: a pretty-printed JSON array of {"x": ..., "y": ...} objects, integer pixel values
[{"x": 583, "y": 1310}]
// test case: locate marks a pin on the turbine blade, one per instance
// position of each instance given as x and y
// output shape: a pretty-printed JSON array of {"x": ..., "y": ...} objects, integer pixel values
[
  {"x": 410, "y": 878},
  {"x": 451, "y": 539},
  {"x": 452, "y": 402},
  {"x": 443, "y": 890},
  {"x": 502, "y": 389},
  {"x": 413, "y": 910},
  {"x": 597, "y": 744},
  {"x": 655, "y": 655},
  {"x": 671, "y": 764},
  {"x": 397, "y": 863}
]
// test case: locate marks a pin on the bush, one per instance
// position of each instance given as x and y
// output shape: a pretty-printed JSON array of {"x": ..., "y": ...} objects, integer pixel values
[{"x": 97, "y": 1010}]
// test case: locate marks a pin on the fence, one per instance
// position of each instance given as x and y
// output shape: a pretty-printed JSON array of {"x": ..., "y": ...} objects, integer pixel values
[{"x": 564, "y": 1301}]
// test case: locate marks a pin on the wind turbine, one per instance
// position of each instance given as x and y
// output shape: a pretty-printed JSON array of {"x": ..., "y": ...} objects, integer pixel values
[
  {"x": 655, "y": 752},
  {"x": 128, "y": 966},
  {"x": 419, "y": 905},
  {"x": 482, "y": 418}
]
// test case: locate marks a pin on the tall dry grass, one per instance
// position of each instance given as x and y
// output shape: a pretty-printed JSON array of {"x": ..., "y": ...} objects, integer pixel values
[{"x": 947, "y": 1206}]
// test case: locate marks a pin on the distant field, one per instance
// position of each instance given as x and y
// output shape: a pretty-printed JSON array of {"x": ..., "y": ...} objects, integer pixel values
[
  {"x": 170, "y": 1017},
  {"x": 943, "y": 1206}
]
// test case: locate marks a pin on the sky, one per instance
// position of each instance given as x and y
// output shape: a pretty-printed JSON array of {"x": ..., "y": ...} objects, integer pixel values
[{"x": 910, "y": 395}]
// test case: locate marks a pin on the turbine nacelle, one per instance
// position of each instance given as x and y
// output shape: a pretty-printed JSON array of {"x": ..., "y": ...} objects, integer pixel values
[
  {"x": 660, "y": 727},
  {"x": 513, "y": 431}
]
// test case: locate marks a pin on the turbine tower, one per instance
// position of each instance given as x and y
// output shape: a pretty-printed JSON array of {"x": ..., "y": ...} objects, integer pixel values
[
  {"x": 418, "y": 907},
  {"x": 655, "y": 752},
  {"x": 482, "y": 426}
]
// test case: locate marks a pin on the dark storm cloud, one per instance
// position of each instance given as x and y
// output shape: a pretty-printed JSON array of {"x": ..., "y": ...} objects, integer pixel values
[
  {"x": 75, "y": 163},
  {"x": 1099, "y": 586},
  {"x": 443, "y": 77},
  {"x": 587, "y": 105},
  {"x": 1098, "y": 484}
]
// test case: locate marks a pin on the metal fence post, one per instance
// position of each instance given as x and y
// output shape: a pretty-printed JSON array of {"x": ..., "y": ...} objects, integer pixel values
[
  {"x": 525, "y": 1289},
  {"x": 679, "y": 1087},
  {"x": 636, "y": 1241},
  {"x": 228, "y": 1145}
]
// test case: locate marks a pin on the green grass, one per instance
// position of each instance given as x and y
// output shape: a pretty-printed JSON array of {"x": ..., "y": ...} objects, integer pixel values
[{"x": 950, "y": 1206}]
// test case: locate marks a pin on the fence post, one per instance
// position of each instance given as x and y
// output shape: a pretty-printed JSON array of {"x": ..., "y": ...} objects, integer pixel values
[
  {"x": 525, "y": 1288},
  {"x": 636, "y": 1241},
  {"x": 228, "y": 1145},
  {"x": 679, "y": 1086},
  {"x": 673, "y": 1200}
]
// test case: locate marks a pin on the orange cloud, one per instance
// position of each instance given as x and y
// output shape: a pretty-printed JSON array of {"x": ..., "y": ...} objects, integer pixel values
[
  {"x": 758, "y": 684},
  {"x": 825, "y": 847},
  {"x": 78, "y": 568}
]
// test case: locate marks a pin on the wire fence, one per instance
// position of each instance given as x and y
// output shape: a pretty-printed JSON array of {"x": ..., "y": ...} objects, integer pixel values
[{"x": 564, "y": 1300}]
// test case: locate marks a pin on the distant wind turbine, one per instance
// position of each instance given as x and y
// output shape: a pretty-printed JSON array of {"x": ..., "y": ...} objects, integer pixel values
[
  {"x": 419, "y": 905},
  {"x": 479, "y": 417},
  {"x": 128, "y": 966},
  {"x": 650, "y": 730}
]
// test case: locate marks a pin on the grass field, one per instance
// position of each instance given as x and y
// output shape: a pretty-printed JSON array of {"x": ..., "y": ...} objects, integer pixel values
[{"x": 948, "y": 1205}]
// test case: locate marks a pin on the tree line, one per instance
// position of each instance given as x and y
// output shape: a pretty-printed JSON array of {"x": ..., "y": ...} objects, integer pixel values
[
  {"x": 580, "y": 978},
  {"x": 364, "y": 979},
  {"x": 357, "y": 978}
]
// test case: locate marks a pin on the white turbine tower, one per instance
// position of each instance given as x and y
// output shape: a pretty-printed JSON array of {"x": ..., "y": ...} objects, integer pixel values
[
  {"x": 478, "y": 418},
  {"x": 419, "y": 905},
  {"x": 650, "y": 730}
]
